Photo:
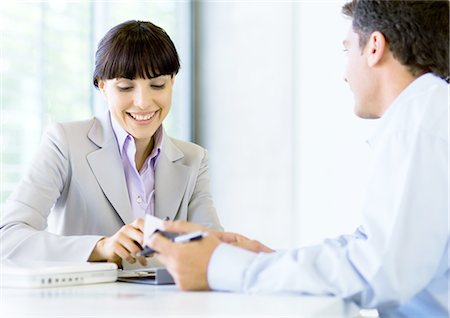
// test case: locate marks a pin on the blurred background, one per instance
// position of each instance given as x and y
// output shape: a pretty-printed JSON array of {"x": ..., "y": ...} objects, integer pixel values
[{"x": 261, "y": 87}]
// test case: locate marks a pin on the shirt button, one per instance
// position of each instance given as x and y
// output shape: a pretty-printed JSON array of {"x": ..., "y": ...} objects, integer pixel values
[{"x": 139, "y": 200}]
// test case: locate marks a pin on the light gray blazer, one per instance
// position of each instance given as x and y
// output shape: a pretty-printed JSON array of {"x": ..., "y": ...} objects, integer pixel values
[{"x": 75, "y": 192}]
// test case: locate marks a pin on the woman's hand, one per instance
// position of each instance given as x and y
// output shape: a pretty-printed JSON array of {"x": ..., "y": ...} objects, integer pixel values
[{"x": 123, "y": 245}]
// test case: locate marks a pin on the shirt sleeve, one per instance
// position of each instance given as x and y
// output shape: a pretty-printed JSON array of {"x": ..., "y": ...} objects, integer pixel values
[
  {"x": 226, "y": 276},
  {"x": 321, "y": 270}
]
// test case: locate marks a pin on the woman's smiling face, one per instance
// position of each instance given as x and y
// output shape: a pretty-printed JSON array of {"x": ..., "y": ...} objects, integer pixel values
[{"x": 139, "y": 105}]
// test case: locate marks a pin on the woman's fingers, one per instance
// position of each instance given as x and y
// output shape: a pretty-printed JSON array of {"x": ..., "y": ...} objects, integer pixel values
[
  {"x": 138, "y": 224},
  {"x": 125, "y": 243}
]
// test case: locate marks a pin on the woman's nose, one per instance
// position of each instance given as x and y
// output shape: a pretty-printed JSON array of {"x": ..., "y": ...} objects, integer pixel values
[{"x": 142, "y": 99}]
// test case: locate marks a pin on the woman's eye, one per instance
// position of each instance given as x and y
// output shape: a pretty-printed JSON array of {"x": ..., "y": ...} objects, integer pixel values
[
  {"x": 124, "y": 89},
  {"x": 158, "y": 86}
]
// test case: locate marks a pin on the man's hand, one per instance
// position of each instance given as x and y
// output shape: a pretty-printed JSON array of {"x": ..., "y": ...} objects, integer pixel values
[
  {"x": 186, "y": 262},
  {"x": 225, "y": 237},
  {"x": 243, "y": 242},
  {"x": 124, "y": 244},
  {"x": 182, "y": 227}
]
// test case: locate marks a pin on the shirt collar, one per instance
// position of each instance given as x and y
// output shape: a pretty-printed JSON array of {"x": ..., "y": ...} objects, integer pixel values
[
  {"x": 416, "y": 87},
  {"x": 122, "y": 136},
  {"x": 157, "y": 145}
]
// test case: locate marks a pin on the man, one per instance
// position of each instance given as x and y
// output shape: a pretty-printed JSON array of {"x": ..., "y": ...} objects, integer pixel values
[{"x": 398, "y": 260}]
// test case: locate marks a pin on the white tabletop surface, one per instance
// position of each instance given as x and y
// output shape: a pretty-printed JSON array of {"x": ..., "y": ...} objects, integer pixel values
[{"x": 136, "y": 300}]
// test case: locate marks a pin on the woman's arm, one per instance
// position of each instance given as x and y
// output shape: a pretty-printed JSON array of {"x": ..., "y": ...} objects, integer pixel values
[{"x": 25, "y": 214}]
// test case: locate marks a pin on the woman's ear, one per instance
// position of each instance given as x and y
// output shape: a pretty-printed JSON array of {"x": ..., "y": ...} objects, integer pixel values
[
  {"x": 101, "y": 86},
  {"x": 376, "y": 48}
]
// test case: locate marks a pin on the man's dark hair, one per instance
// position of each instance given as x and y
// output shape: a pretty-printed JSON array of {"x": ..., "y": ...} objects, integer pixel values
[
  {"x": 135, "y": 49},
  {"x": 417, "y": 31}
]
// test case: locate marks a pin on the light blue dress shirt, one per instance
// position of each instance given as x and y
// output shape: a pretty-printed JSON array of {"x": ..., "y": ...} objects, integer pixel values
[{"x": 398, "y": 260}]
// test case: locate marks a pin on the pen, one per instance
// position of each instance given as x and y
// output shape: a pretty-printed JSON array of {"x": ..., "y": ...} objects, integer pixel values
[
  {"x": 183, "y": 238},
  {"x": 189, "y": 237}
]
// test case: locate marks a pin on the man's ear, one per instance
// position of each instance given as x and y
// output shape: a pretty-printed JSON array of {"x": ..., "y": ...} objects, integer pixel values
[{"x": 376, "y": 48}]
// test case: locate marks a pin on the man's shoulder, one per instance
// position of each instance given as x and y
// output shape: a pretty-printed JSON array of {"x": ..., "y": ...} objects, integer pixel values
[
  {"x": 433, "y": 106},
  {"x": 424, "y": 110}
]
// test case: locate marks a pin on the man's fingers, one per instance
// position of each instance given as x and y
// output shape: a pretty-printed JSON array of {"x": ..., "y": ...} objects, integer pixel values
[
  {"x": 164, "y": 260},
  {"x": 180, "y": 226},
  {"x": 253, "y": 246},
  {"x": 266, "y": 249},
  {"x": 159, "y": 243},
  {"x": 228, "y": 237}
]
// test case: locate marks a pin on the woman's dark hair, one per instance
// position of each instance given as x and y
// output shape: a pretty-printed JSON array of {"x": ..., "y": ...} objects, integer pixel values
[
  {"x": 417, "y": 31},
  {"x": 135, "y": 49}
]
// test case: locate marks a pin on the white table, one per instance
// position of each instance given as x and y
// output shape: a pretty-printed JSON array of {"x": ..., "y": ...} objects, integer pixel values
[{"x": 135, "y": 300}]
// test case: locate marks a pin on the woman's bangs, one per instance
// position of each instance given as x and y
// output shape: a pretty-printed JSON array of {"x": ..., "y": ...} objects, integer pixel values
[{"x": 141, "y": 62}]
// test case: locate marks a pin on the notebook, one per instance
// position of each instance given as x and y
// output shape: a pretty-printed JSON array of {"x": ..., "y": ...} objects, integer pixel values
[
  {"x": 151, "y": 276},
  {"x": 35, "y": 274},
  {"x": 153, "y": 273}
]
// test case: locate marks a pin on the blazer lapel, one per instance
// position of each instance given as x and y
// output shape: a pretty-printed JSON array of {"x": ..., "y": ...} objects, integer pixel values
[
  {"x": 171, "y": 178},
  {"x": 106, "y": 164}
]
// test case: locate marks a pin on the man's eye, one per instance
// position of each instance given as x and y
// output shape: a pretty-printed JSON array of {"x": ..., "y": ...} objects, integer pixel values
[
  {"x": 158, "y": 86},
  {"x": 124, "y": 89}
]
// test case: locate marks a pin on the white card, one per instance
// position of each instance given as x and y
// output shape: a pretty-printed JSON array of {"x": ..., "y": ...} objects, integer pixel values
[{"x": 151, "y": 224}]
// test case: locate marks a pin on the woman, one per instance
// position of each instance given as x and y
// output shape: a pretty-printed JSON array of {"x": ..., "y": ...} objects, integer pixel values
[{"x": 87, "y": 191}]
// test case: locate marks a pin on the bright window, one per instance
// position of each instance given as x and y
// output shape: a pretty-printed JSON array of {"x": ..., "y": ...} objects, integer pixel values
[{"x": 46, "y": 65}]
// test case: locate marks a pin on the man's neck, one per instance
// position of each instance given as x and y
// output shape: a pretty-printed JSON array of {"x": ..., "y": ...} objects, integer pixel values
[{"x": 392, "y": 84}]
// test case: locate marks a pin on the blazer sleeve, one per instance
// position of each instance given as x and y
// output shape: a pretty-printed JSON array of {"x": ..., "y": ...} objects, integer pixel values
[{"x": 24, "y": 221}]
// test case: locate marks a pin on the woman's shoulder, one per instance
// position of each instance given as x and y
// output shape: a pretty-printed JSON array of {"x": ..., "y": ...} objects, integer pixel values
[
  {"x": 85, "y": 124},
  {"x": 185, "y": 144},
  {"x": 187, "y": 148},
  {"x": 66, "y": 131}
]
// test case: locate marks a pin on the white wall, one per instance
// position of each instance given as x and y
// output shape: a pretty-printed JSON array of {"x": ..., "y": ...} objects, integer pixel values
[
  {"x": 333, "y": 156},
  {"x": 246, "y": 92},
  {"x": 287, "y": 155}
]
